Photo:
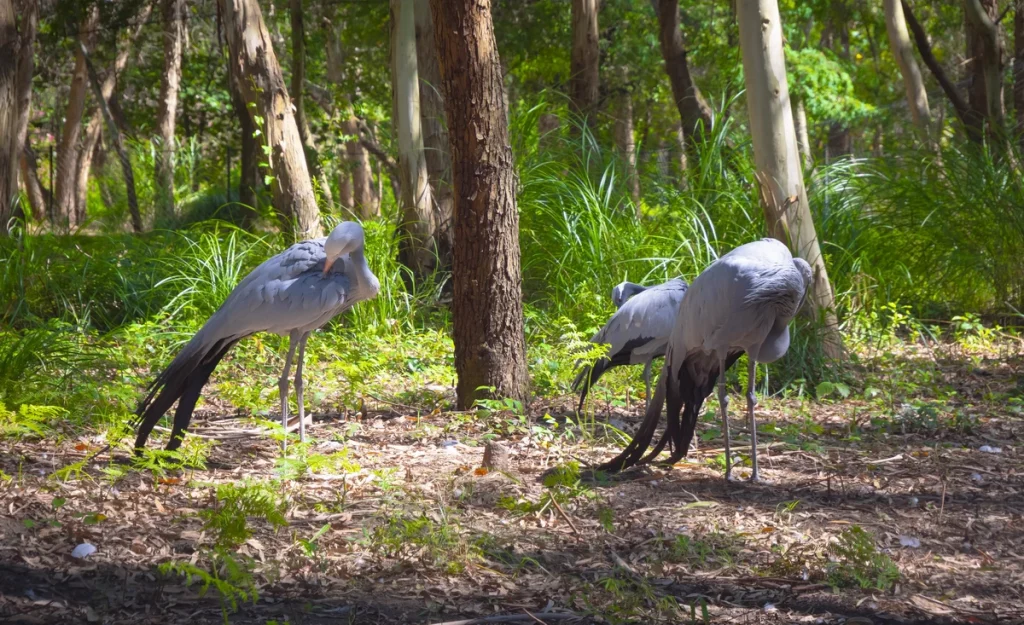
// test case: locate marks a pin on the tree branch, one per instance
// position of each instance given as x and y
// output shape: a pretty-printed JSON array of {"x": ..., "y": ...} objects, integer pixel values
[{"x": 963, "y": 111}]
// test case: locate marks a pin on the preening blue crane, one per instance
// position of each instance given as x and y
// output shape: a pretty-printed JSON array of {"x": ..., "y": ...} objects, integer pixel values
[
  {"x": 291, "y": 294},
  {"x": 742, "y": 303},
  {"x": 638, "y": 332}
]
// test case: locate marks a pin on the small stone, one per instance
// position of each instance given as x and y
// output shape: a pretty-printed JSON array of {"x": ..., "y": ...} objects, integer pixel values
[
  {"x": 83, "y": 551},
  {"x": 496, "y": 457}
]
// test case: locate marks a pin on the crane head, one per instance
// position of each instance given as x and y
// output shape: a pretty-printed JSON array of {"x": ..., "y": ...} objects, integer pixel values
[{"x": 346, "y": 237}]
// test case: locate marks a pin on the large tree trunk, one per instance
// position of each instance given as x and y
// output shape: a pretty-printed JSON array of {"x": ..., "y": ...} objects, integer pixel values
[
  {"x": 417, "y": 248},
  {"x": 248, "y": 166},
  {"x": 487, "y": 305},
  {"x": 65, "y": 182},
  {"x": 985, "y": 66},
  {"x": 14, "y": 46},
  {"x": 258, "y": 76},
  {"x": 584, "y": 68},
  {"x": 168, "y": 111},
  {"x": 435, "y": 133},
  {"x": 787, "y": 212},
  {"x": 694, "y": 111},
  {"x": 626, "y": 145},
  {"x": 903, "y": 52},
  {"x": 28, "y": 11}
]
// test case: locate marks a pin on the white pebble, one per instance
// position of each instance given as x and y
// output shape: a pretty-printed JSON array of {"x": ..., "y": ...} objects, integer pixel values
[
  {"x": 83, "y": 551},
  {"x": 910, "y": 541},
  {"x": 990, "y": 450}
]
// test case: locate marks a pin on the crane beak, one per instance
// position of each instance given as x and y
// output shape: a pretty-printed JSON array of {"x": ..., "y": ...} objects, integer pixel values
[{"x": 327, "y": 265}]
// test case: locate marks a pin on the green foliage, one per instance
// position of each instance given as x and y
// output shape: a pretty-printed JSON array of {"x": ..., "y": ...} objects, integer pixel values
[
  {"x": 856, "y": 561},
  {"x": 433, "y": 540},
  {"x": 236, "y": 503},
  {"x": 822, "y": 82}
]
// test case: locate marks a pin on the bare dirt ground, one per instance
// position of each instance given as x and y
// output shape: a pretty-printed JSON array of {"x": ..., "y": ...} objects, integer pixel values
[{"x": 414, "y": 532}]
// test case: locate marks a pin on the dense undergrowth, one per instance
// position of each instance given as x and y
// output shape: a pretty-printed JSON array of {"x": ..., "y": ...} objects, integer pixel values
[{"x": 84, "y": 319}]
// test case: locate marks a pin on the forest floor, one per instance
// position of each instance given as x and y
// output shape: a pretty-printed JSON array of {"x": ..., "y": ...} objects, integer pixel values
[{"x": 903, "y": 502}]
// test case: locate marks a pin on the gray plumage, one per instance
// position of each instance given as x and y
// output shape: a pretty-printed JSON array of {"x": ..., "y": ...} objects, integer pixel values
[
  {"x": 638, "y": 332},
  {"x": 291, "y": 294},
  {"x": 742, "y": 303}
]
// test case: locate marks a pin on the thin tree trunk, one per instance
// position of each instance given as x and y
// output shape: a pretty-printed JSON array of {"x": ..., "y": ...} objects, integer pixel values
[
  {"x": 38, "y": 196},
  {"x": 787, "y": 212},
  {"x": 248, "y": 166},
  {"x": 985, "y": 51},
  {"x": 258, "y": 76},
  {"x": 487, "y": 308},
  {"x": 973, "y": 123},
  {"x": 86, "y": 152},
  {"x": 365, "y": 196},
  {"x": 694, "y": 111},
  {"x": 94, "y": 128},
  {"x": 168, "y": 111},
  {"x": 116, "y": 140},
  {"x": 1018, "y": 68},
  {"x": 626, "y": 145},
  {"x": 28, "y": 11},
  {"x": 309, "y": 147},
  {"x": 65, "y": 181},
  {"x": 681, "y": 161},
  {"x": 903, "y": 52},
  {"x": 803, "y": 141},
  {"x": 584, "y": 69},
  {"x": 417, "y": 247},
  {"x": 435, "y": 133},
  {"x": 547, "y": 129}
]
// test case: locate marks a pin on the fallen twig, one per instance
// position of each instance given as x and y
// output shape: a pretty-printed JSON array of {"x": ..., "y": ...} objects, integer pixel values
[
  {"x": 503, "y": 618},
  {"x": 565, "y": 516}
]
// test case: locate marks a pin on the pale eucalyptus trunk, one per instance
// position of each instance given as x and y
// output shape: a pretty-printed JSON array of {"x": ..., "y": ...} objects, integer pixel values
[{"x": 776, "y": 155}]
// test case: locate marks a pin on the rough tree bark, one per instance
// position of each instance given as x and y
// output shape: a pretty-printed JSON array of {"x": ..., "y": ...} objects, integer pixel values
[
  {"x": 168, "y": 110},
  {"x": 65, "y": 182},
  {"x": 985, "y": 66},
  {"x": 435, "y": 133},
  {"x": 787, "y": 212},
  {"x": 903, "y": 52},
  {"x": 38, "y": 195},
  {"x": 18, "y": 23},
  {"x": 417, "y": 247},
  {"x": 694, "y": 112},
  {"x": 487, "y": 308},
  {"x": 584, "y": 67},
  {"x": 258, "y": 76}
]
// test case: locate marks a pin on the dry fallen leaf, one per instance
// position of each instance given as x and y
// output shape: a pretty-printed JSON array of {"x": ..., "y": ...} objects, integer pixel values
[{"x": 480, "y": 471}]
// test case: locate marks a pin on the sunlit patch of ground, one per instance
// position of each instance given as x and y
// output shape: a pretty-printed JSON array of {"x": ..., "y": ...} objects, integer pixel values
[{"x": 901, "y": 502}]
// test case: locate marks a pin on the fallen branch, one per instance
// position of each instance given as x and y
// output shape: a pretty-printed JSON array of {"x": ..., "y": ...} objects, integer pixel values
[{"x": 505, "y": 618}]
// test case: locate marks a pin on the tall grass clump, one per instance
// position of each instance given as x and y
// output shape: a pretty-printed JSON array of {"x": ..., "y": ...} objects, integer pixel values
[
  {"x": 947, "y": 228},
  {"x": 579, "y": 229}
]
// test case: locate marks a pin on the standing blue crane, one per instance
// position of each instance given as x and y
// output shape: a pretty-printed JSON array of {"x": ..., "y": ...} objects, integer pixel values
[
  {"x": 742, "y": 303},
  {"x": 638, "y": 332},
  {"x": 291, "y": 294}
]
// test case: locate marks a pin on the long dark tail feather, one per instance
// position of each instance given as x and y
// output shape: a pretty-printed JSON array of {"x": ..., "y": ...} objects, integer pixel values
[
  {"x": 642, "y": 439},
  {"x": 588, "y": 377},
  {"x": 181, "y": 381}
]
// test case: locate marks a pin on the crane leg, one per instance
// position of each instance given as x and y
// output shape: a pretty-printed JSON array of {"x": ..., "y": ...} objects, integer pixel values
[
  {"x": 299, "y": 386},
  {"x": 282, "y": 385},
  {"x": 647, "y": 380},
  {"x": 751, "y": 404},
  {"x": 723, "y": 402}
]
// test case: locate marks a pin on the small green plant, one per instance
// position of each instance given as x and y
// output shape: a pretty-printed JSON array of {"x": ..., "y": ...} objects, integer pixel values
[
  {"x": 230, "y": 573},
  {"x": 854, "y": 560},
  {"x": 434, "y": 540}
]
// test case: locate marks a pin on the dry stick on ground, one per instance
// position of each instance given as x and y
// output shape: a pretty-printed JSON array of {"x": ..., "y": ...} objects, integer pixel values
[
  {"x": 504, "y": 618},
  {"x": 565, "y": 516}
]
